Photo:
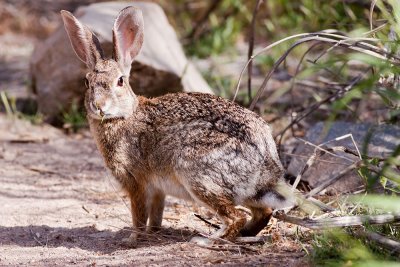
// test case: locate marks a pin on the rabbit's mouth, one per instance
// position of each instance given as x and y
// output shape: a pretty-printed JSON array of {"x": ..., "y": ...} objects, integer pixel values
[
  {"x": 103, "y": 117},
  {"x": 101, "y": 114}
]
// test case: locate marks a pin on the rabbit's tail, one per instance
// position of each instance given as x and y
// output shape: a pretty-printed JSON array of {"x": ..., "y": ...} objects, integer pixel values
[{"x": 284, "y": 197}]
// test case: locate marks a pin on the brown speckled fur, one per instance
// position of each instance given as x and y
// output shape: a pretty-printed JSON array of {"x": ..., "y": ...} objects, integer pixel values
[{"x": 194, "y": 146}]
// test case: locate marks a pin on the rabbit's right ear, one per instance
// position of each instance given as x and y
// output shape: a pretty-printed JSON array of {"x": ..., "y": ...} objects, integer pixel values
[{"x": 84, "y": 42}]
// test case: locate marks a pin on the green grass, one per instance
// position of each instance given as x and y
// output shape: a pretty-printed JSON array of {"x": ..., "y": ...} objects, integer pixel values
[
  {"x": 10, "y": 106},
  {"x": 74, "y": 117},
  {"x": 341, "y": 247},
  {"x": 337, "y": 248},
  {"x": 225, "y": 25}
]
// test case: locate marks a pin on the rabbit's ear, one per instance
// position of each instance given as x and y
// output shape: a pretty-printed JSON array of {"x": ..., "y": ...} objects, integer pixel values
[
  {"x": 127, "y": 37},
  {"x": 84, "y": 42}
]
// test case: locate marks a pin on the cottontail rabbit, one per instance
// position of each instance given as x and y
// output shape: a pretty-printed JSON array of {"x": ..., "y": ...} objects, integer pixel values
[{"x": 194, "y": 146}]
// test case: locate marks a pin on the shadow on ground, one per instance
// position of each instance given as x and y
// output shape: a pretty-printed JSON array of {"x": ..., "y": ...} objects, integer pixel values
[{"x": 86, "y": 238}]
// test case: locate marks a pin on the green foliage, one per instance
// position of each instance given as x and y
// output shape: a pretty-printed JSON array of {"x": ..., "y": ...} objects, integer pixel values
[
  {"x": 220, "y": 38},
  {"x": 337, "y": 248},
  {"x": 313, "y": 15},
  {"x": 380, "y": 202},
  {"x": 265, "y": 62},
  {"x": 341, "y": 247},
  {"x": 74, "y": 118},
  {"x": 222, "y": 85},
  {"x": 389, "y": 178},
  {"x": 379, "y": 81},
  {"x": 283, "y": 18},
  {"x": 10, "y": 105},
  {"x": 225, "y": 25},
  {"x": 10, "y": 108},
  {"x": 275, "y": 20}
]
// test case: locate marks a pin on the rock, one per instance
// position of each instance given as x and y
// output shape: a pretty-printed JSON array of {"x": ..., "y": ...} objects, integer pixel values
[
  {"x": 384, "y": 140},
  {"x": 161, "y": 67}
]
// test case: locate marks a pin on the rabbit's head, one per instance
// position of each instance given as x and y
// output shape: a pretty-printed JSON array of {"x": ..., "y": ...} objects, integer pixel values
[{"x": 109, "y": 94}]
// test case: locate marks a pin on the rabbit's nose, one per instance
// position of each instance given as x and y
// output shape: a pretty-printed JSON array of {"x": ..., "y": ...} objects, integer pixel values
[{"x": 101, "y": 106}]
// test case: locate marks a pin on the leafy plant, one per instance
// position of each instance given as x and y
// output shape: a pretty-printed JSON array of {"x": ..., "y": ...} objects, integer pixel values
[
  {"x": 10, "y": 105},
  {"x": 74, "y": 118},
  {"x": 337, "y": 248},
  {"x": 225, "y": 25}
]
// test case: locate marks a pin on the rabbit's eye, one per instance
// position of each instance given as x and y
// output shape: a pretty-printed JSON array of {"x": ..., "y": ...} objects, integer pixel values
[
  {"x": 87, "y": 83},
  {"x": 120, "y": 81}
]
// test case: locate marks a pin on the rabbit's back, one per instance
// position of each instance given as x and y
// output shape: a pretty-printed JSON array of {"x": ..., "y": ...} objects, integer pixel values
[
  {"x": 203, "y": 121},
  {"x": 200, "y": 140}
]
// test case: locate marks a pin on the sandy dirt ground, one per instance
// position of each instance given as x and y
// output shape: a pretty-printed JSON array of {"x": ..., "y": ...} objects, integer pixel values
[{"x": 60, "y": 207}]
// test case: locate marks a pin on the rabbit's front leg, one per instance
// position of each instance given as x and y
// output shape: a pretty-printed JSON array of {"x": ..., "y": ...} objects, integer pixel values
[
  {"x": 139, "y": 211},
  {"x": 156, "y": 210}
]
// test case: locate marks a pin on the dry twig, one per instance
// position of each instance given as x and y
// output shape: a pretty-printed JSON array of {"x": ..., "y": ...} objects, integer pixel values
[
  {"x": 251, "y": 46},
  {"x": 207, "y": 222},
  {"x": 390, "y": 244},
  {"x": 254, "y": 239},
  {"x": 340, "y": 221}
]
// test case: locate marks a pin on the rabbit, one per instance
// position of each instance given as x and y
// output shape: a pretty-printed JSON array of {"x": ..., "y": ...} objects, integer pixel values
[{"x": 193, "y": 146}]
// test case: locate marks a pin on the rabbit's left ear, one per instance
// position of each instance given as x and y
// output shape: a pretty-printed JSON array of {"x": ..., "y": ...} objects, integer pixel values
[
  {"x": 128, "y": 37},
  {"x": 84, "y": 42}
]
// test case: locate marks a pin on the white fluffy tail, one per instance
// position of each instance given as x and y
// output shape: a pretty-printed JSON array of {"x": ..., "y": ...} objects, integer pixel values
[{"x": 283, "y": 197}]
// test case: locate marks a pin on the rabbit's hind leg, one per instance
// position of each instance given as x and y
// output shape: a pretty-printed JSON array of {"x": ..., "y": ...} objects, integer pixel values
[
  {"x": 259, "y": 220},
  {"x": 233, "y": 219}
]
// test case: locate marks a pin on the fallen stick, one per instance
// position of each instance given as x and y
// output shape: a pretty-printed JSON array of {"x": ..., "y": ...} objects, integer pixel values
[
  {"x": 226, "y": 247},
  {"x": 340, "y": 221},
  {"x": 324, "y": 207},
  {"x": 390, "y": 244},
  {"x": 207, "y": 222},
  {"x": 254, "y": 239}
]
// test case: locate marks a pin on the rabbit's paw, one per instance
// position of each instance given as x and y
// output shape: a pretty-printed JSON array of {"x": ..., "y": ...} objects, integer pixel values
[
  {"x": 130, "y": 242},
  {"x": 202, "y": 241}
]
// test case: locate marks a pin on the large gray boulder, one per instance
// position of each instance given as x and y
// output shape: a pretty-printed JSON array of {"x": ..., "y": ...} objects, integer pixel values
[
  {"x": 161, "y": 67},
  {"x": 379, "y": 140}
]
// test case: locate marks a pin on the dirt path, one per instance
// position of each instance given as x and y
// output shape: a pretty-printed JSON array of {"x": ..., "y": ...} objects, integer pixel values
[{"x": 59, "y": 207}]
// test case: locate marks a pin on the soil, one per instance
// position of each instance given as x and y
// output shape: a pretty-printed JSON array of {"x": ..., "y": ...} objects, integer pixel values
[{"x": 60, "y": 207}]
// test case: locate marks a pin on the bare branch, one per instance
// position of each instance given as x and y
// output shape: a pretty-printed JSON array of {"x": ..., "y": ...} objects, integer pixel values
[
  {"x": 340, "y": 221},
  {"x": 251, "y": 46},
  {"x": 390, "y": 244},
  {"x": 207, "y": 222}
]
